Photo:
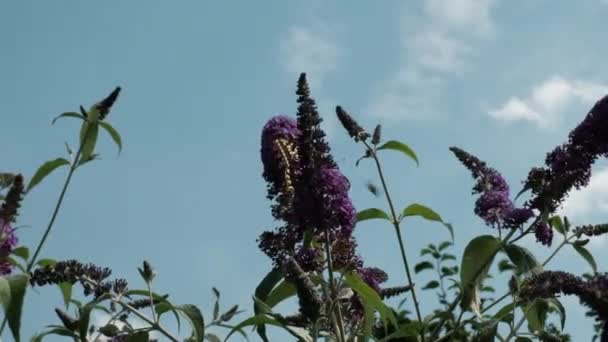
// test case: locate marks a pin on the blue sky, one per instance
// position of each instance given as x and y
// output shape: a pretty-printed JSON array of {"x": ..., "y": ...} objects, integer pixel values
[{"x": 504, "y": 80}]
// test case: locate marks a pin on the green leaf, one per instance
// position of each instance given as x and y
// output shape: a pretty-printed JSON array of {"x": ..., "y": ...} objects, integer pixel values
[
  {"x": 5, "y": 292},
  {"x": 411, "y": 329},
  {"x": 425, "y": 251},
  {"x": 113, "y": 134},
  {"x": 145, "y": 293},
  {"x": 194, "y": 315},
  {"x": 587, "y": 256},
  {"x": 421, "y": 266},
  {"x": 262, "y": 292},
  {"x": 447, "y": 257},
  {"x": 66, "y": 292},
  {"x": 17, "y": 284},
  {"x": 216, "y": 305},
  {"x": 523, "y": 259},
  {"x": 417, "y": 209},
  {"x": 283, "y": 291},
  {"x": 22, "y": 252},
  {"x": 536, "y": 314},
  {"x": 61, "y": 331},
  {"x": 556, "y": 305},
  {"x": 444, "y": 245},
  {"x": 45, "y": 170},
  {"x": 433, "y": 284},
  {"x": 46, "y": 262},
  {"x": 504, "y": 313},
  {"x": 262, "y": 320},
  {"x": 401, "y": 147},
  {"x": 523, "y": 339},
  {"x": 140, "y": 336},
  {"x": 448, "y": 271},
  {"x": 88, "y": 140},
  {"x": 68, "y": 115},
  {"x": 505, "y": 265},
  {"x": 476, "y": 260},
  {"x": 372, "y": 213},
  {"x": 557, "y": 224},
  {"x": 212, "y": 338},
  {"x": 163, "y": 307},
  {"x": 486, "y": 332},
  {"x": 84, "y": 315},
  {"x": 369, "y": 297}
]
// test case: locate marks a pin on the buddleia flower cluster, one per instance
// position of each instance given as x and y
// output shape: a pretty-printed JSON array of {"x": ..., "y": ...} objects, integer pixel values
[
  {"x": 568, "y": 166},
  {"x": 592, "y": 292},
  {"x": 493, "y": 204},
  {"x": 91, "y": 277},
  {"x": 8, "y": 214},
  {"x": 310, "y": 198}
]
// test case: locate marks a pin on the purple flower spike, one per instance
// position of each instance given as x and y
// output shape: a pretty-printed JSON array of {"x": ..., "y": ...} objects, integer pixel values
[
  {"x": 278, "y": 128},
  {"x": 569, "y": 166},
  {"x": 337, "y": 211},
  {"x": 517, "y": 216},
  {"x": 8, "y": 242},
  {"x": 543, "y": 233},
  {"x": 492, "y": 206},
  {"x": 373, "y": 277}
]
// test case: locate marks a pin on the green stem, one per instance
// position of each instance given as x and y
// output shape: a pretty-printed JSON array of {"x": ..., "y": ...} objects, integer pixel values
[
  {"x": 73, "y": 168},
  {"x": 517, "y": 326},
  {"x": 395, "y": 222},
  {"x": 503, "y": 297},
  {"x": 503, "y": 242},
  {"x": 109, "y": 322},
  {"x": 146, "y": 319},
  {"x": 154, "y": 316},
  {"x": 332, "y": 288}
]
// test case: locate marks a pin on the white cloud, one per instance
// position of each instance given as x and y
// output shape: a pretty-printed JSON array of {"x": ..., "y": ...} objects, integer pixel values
[
  {"x": 547, "y": 101},
  {"x": 462, "y": 15},
  {"x": 590, "y": 200},
  {"x": 310, "y": 50},
  {"x": 438, "y": 51},
  {"x": 438, "y": 46}
]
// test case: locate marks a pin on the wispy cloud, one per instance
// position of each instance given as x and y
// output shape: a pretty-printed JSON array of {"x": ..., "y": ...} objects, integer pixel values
[
  {"x": 436, "y": 47},
  {"x": 593, "y": 199},
  {"x": 309, "y": 49},
  {"x": 313, "y": 49},
  {"x": 546, "y": 103}
]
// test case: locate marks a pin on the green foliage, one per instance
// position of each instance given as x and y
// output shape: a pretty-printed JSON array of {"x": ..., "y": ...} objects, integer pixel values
[
  {"x": 400, "y": 147},
  {"x": 476, "y": 261}
]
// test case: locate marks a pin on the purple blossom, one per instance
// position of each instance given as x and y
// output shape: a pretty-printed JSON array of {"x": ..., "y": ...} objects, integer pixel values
[
  {"x": 336, "y": 209},
  {"x": 492, "y": 206},
  {"x": 569, "y": 166},
  {"x": 543, "y": 233},
  {"x": 344, "y": 252},
  {"x": 278, "y": 128},
  {"x": 517, "y": 216},
  {"x": 373, "y": 277},
  {"x": 310, "y": 259},
  {"x": 592, "y": 292},
  {"x": 8, "y": 242}
]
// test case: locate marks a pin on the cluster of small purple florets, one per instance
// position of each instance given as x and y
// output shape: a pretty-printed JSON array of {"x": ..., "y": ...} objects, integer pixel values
[
  {"x": 493, "y": 204},
  {"x": 592, "y": 292},
  {"x": 310, "y": 194},
  {"x": 8, "y": 213},
  {"x": 569, "y": 165},
  {"x": 8, "y": 241}
]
